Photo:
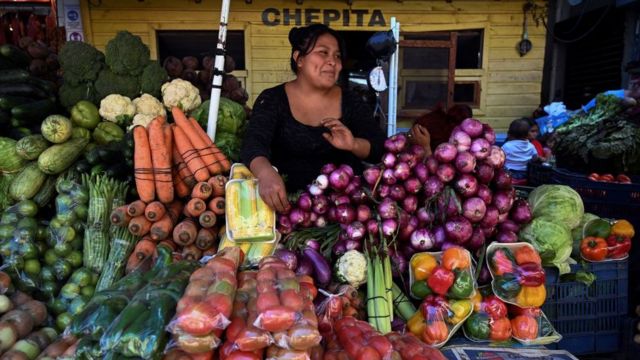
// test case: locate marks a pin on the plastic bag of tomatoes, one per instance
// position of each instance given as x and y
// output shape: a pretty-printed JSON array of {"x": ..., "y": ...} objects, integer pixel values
[
  {"x": 411, "y": 348},
  {"x": 517, "y": 274},
  {"x": 360, "y": 341}
]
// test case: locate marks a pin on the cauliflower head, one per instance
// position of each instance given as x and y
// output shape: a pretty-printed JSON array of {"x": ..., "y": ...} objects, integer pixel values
[
  {"x": 117, "y": 108},
  {"x": 142, "y": 120},
  {"x": 182, "y": 94},
  {"x": 351, "y": 268},
  {"x": 148, "y": 105}
]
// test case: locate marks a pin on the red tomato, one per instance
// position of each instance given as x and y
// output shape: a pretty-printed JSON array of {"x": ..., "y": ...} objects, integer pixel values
[
  {"x": 220, "y": 302},
  {"x": 235, "y": 327},
  {"x": 252, "y": 339},
  {"x": 267, "y": 301},
  {"x": 225, "y": 350},
  {"x": 184, "y": 303},
  {"x": 197, "y": 288},
  {"x": 267, "y": 286},
  {"x": 368, "y": 353},
  {"x": 265, "y": 275},
  {"x": 308, "y": 290},
  {"x": 624, "y": 179},
  {"x": 221, "y": 265},
  {"x": 243, "y": 355},
  {"x": 197, "y": 319},
  {"x": 286, "y": 274},
  {"x": 381, "y": 344},
  {"x": 203, "y": 273},
  {"x": 594, "y": 177},
  {"x": 278, "y": 318},
  {"x": 352, "y": 344},
  {"x": 292, "y": 300},
  {"x": 607, "y": 178}
]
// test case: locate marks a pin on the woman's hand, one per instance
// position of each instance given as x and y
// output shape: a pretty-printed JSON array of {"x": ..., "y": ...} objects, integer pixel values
[
  {"x": 419, "y": 135},
  {"x": 339, "y": 135},
  {"x": 272, "y": 189}
]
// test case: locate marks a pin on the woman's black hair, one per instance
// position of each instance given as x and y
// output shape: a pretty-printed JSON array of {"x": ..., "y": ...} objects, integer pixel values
[
  {"x": 303, "y": 39},
  {"x": 519, "y": 129},
  {"x": 532, "y": 122}
]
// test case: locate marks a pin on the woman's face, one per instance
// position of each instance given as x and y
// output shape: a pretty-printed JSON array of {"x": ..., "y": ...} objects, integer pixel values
[
  {"x": 322, "y": 65},
  {"x": 533, "y": 132}
]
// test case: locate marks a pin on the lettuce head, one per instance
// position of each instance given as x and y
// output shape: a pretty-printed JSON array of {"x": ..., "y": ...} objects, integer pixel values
[
  {"x": 559, "y": 203},
  {"x": 552, "y": 240}
]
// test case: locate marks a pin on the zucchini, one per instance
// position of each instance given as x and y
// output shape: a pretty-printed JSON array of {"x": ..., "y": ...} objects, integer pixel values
[
  {"x": 34, "y": 111},
  {"x": 28, "y": 182},
  {"x": 30, "y": 147},
  {"x": 46, "y": 192},
  {"x": 56, "y": 128},
  {"x": 9, "y": 159},
  {"x": 23, "y": 89},
  {"x": 13, "y": 75},
  {"x": 16, "y": 55},
  {"x": 59, "y": 157},
  {"x": 46, "y": 85},
  {"x": 8, "y": 102}
]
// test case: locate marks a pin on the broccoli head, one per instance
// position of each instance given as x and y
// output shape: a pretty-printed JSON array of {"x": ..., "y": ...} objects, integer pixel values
[
  {"x": 71, "y": 95},
  {"x": 80, "y": 62},
  {"x": 110, "y": 83},
  {"x": 126, "y": 54},
  {"x": 152, "y": 79}
]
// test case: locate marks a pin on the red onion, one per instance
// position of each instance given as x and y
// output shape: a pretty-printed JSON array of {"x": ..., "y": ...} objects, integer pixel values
[
  {"x": 339, "y": 248},
  {"x": 433, "y": 186},
  {"x": 395, "y": 143},
  {"x": 284, "y": 224},
  {"x": 410, "y": 204},
  {"x": 465, "y": 162},
  {"x": 397, "y": 192},
  {"x": 363, "y": 213},
  {"x": 484, "y": 193},
  {"x": 356, "y": 231},
  {"x": 461, "y": 140},
  {"x": 322, "y": 181},
  {"x": 445, "y": 152},
  {"x": 503, "y": 201},
  {"x": 305, "y": 202},
  {"x": 315, "y": 190},
  {"x": 488, "y": 134},
  {"x": 472, "y": 127},
  {"x": 490, "y": 217},
  {"x": 401, "y": 171},
  {"x": 421, "y": 172},
  {"x": 502, "y": 180},
  {"x": 345, "y": 214},
  {"x": 489, "y": 232},
  {"x": 502, "y": 217},
  {"x": 422, "y": 239},
  {"x": 347, "y": 169},
  {"x": 403, "y": 218},
  {"x": 466, "y": 185},
  {"x": 477, "y": 239},
  {"x": 389, "y": 160},
  {"x": 407, "y": 251},
  {"x": 331, "y": 214},
  {"x": 307, "y": 220},
  {"x": 405, "y": 231},
  {"x": 485, "y": 173},
  {"x": 312, "y": 243},
  {"x": 384, "y": 190},
  {"x": 496, "y": 157},
  {"x": 509, "y": 225},
  {"x": 388, "y": 209},
  {"x": 372, "y": 227},
  {"x": 338, "y": 179},
  {"x": 359, "y": 196},
  {"x": 446, "y": 172},
  {"x": 328, "y": 168},
  {"x": 412, "y": 185},
  {"x": 474, "y": 209},
  {"x": 418, "y": 152},
  {"x": 425, "y": 216},
  {"x": 342, "y": 200},
  {"x": 388, "y": 177},
  {"x": 371, "y": 175},
  {"x": 312, "y": 216},
  {"x": 432, "y": 164},
  {"x": 448, "y": 245},
  {"x": 439, "y": 236},
  {"x": 354, "y": 185},
  {"x": 321, "y": 221},
  {"x": 480, "y": 148},
  {"x": 458, "y": 229},
  {"x": 408, "y": 158},
  {"x": 296, "y": 216},
  {"x": 399, "y": 266},
  {"x": 320, "y": 204},
  {"x": 389, "y": 227},
  {"x": 353, "y": 245},
  {"x": 506, "y": 237},
  {"x": 521, "y": 212},
  {"x": 449, "y": 205}
]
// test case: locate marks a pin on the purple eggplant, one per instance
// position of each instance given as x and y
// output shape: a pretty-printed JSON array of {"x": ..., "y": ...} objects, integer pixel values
[
  {"x": 321, "y": 267},
  {"x": 288, "y": 257}
]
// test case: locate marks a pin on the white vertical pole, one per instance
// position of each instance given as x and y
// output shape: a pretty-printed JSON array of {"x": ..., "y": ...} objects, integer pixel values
[
  {"x": 393, "y": 80},
  {"x": 218, "y": 70}
]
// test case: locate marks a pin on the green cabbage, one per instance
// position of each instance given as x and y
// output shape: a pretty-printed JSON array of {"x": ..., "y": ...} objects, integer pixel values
[
  {"x": 558, "y": 203},
  {"x": 231, "y": 117},
  {"x": 552, "y": 240},
  {"x": 229, "y": 144}
]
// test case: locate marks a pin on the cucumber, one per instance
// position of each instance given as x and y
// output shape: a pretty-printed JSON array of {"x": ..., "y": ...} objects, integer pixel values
[
  {"x": 13, "y": 75},
  {"x": 46, "y": 192},
  {"x": 28, "y": 182},
  {"x": 58, "y": 158},
  {"x": 16, "y": 55},
  {"x": 8, "y": 102},
  {"x": 23, "y": 89},
  {"x": 33, "y": 111},
  {"x": 46, "y": 85}
]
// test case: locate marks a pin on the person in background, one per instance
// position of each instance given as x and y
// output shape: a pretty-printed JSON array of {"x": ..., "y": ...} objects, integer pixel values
[
  {"x": 435, "y": 127},
  {"x": 310, "y": 121},
  {"x": 518, "y": 149},
  {"x": 632, "y": 91},
  {"x": 534, "y": 131}
]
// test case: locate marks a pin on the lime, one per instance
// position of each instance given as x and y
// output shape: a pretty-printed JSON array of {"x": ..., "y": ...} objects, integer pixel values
[
  {"x": 70, "y": 291},
  {"x": 29, "y": 250},
  {"x": 27, "y": 208},
  {"x": 49, "y": 289},
  {"x": 6, "y": 231},
  {"x": 82, "y": 277},
  {"x": 32, "y": 267},
  {"x": 63, "y": 320},
  {"x": 68, "y": 217},
  {"x": 75, "y": 258},
  {"x": 46, "y": 274},
  {"x": 87, "y": 291},
  {"x": 62, "y": 248},
  {"x": 43, "y": 233},
  {"x": 28, "y": 223},
  {"x": 50, "y": 257},
  {"x": 81, "y": 212},
  {"x": 9, "y": 218},
  {"x": 62, "y": 269},
  {"x": 77, "y": 305},
  {"x": 57, "y": 306},
  {"x": 55, "y": 223}
]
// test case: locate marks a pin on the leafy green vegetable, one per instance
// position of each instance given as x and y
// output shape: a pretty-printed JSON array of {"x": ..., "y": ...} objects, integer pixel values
[
  {"x": 229, "y": 144},
  {"x": 552, "y": 240},
  {"x": 126, "y": 54},
  {"x": 231, "y": 117},
  {"x": 153, "y": 76},
  {"x": 557, "y": 203},
  {"x": 111, "y": 83},
  {"x": 80, "y": 61}
]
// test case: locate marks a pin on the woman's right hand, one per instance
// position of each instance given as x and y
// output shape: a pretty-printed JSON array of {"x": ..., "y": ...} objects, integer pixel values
[{"x": 272, "y": 190}]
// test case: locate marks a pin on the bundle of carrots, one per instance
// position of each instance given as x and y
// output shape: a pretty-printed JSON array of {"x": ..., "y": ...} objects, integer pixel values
[{"x": 189, "y": 226}]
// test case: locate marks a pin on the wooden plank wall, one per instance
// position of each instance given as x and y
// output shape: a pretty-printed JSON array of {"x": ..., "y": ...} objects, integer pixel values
[{"x": 510, "y": 84}]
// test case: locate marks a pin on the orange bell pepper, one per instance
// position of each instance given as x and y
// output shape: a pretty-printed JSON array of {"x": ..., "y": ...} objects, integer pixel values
[
  {"x": 500, "y": 329},
  {"x": 435, "y": 332},
  {"x": 524, "y": 327},
  {"x": 594, "y": 248},
  {"x": 623, "y": 228},
  {"x": 527, "y": 254},
  {"x": 455, "y": 258},
  {"x": 416, "y": 324}
]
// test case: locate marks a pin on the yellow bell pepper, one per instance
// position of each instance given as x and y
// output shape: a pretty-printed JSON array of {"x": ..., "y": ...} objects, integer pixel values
[
  {"x": 476, "y": 300},
  {"x": 460, "y": 309},
  {"x": 416, "y": 324},
  {"x": 531, "y": 296},
  {"x": 623, "y": 228},
  {"x": 423, "y": 265}
]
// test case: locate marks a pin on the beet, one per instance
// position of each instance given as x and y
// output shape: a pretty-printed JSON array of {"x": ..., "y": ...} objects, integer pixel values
[{"x": 174, "y": 66}]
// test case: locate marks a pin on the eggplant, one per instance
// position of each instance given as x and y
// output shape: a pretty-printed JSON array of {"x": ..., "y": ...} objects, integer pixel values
[
  {"x": 321, "y": 267},
  {"x": 305, "y": 267},
  {"x": 288, "y": 257}
]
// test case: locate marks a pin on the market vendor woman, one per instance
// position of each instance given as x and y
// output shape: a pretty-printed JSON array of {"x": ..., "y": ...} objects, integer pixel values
[{"x": 310, "y": 121}]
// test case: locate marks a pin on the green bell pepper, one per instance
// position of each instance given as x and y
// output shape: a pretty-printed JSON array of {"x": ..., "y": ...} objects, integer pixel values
[
  {"x": 107, "y": 132},
  {"x": 506, "y": 286},
  {"x": 477, "y": 326},
  {"x": 80, "y": 132},
  {"x": 462, "y": 287},
  {"x": 85, "y": 114}
]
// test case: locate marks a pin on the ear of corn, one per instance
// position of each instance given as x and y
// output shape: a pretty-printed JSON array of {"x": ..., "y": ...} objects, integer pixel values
[{"x": 249, "y": 219}]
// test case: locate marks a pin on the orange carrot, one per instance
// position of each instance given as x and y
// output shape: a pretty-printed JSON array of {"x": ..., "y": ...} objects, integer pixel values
[
  {"x": 185, "y": 233},
  {"x": 139, "y": 225},
  {"x": 190, "y": 155},
  {"x": 154, "y": 211},
  {"x": 143, "y": 166},
  {"x": 136, "y": 208},
  {"x": 202, "y": 190},
  {"x": 174, "y": 210},
  {"x": 212, "y": 148},
  {"x": 182, "y": 169},
  {"x": 161, "y": 161},
  {"x": 181, "y": 189},
  {"x": 144, "y": 248},
  {"x": 191, "y": 252},
  {"x": 162, "y": 228},
  {"x": 217, "y": 205},
  {"x": 198, "y": 143},
  {"x": 205, "y": 239},
  {"x": 168, "y": 243},
  {"x": 195, "y": 207},
  {"x": 120, "y": 217},
  {"x": 217, "y": 184},
  {"x": 207, "y": 219}
]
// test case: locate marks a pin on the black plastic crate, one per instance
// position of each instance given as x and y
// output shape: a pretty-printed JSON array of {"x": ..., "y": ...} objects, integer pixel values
[{"x": 539, "y": 173}]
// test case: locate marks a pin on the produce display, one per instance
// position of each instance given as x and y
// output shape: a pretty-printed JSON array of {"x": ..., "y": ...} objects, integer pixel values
[
  {"x": 603, "y": 241},
  {"x": 448, "y": 273}
]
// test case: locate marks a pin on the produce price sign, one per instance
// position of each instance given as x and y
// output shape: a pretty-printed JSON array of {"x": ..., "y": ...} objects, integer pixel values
[{"x": 486, "y": 353}]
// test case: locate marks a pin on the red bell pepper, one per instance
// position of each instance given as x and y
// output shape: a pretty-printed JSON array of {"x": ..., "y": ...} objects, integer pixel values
[
  {"x": 434, "y": 307},
  {"x": 531, "y": 274},
  {"x": 440, "y": 280},
  {"x": 494, "y": 307},
  {"x": 618, "y": 246}
]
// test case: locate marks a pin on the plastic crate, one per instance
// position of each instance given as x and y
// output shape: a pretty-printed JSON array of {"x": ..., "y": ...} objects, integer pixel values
[
  {"x": 589, "y": 318},
  {"x": 539, "y": 173}
]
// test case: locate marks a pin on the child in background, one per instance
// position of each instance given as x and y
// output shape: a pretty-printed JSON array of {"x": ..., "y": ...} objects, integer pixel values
[
  {"x": 534, "y": 131},
  {"x": 518, "y": 149}
]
